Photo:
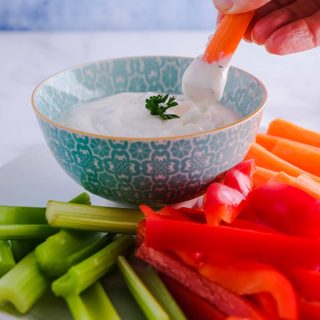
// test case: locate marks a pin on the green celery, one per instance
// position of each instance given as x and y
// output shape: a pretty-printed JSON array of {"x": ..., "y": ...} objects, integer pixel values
[
  {"x": 82, "y": 198},
  {"x": 157, "y": 288},
  {"x": 66, "y": 248},
  {"x": 92, "y": 304},
  {"x": 81, "y": 276},
  {"x": 148, "y": 304},
  {"x": 21, "y": 248},
  {"x": 75, "y": 216},
  {"x": 22, "y": 215},
  {"x": 25, "y": 231},
  {"x": 6, "y": 257},
  {"x": 23, "y": 285}
]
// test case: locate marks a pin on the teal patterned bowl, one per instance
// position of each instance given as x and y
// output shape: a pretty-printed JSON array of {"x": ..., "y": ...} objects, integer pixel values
[{"x": 144, "y": 170}]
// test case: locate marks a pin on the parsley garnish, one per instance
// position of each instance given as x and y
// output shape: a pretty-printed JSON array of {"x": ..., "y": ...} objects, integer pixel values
[{"x": 158, "y": 105}]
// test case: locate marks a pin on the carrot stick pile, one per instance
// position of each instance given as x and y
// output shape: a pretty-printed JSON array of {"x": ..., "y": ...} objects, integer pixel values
[{"x": 289, "y": 154}]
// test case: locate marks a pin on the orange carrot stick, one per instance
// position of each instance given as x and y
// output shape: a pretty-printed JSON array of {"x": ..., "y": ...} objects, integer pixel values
[
  {"x": 299, "y": 154},
  {"x": 266, "y": 140},
  {"x": 288, "y": 130},
  {"x": 303, "y": 182},
  {"x": 227, "y": 37},
  {"x": 262, "y": 176},
  {"x": 266, "y": 159}
]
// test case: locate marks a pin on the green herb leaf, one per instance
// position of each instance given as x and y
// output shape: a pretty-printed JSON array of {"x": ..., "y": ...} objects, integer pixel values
[{"x": 158, "y": 105}]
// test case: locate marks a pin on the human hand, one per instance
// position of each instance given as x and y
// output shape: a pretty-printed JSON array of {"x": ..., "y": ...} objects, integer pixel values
[{"x": 282, "y": 26}]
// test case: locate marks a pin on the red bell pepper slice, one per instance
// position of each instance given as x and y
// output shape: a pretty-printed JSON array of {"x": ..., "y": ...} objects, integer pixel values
[
  {"x": 284, "y": 208},
  {"x": 309, "y": 310},
  {"x": 240, "y": 177},
  {"x": 306, "y": 282},
  {"x": 245, "y": 277},
  {"x": 222, "y": 203},
  {"x": 267, "y": 303},
  {"x": 267, "y": 247},
  {"x": 192, "y": 305}
]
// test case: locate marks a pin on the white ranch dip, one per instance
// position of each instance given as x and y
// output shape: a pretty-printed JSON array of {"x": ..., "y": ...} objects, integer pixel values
[{"x": 125, "y": 114}]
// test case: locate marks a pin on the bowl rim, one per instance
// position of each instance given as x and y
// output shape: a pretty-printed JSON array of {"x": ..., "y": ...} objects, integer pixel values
[{"x": 122, "y": 138}]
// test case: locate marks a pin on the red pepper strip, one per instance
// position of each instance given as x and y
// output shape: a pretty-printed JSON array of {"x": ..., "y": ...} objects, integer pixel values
[
  {"x": 267, "y": 303},
  {"x": 266, "y": 247},
  {"x": 309, "y": 310},
  {"x": 167, "y": 263},
  {"x": 245, "y": 277},
  {"x": 192, "y": 258},
  {"x": 285, "y": 208},
  {"x": 240, "y": 177},
  {"x": 306, "y": 282},
  {"x": 222, "y": 203},
  {"x": 192, "y": 305},
  {"x": 250, "y": 225}
]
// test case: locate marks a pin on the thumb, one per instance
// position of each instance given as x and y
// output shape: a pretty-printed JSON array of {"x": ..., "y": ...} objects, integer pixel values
[{"x": 238, "y": 6}]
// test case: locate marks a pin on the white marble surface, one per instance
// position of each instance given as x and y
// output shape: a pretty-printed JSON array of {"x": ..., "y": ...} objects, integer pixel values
[{"x": 27, "y": 58}]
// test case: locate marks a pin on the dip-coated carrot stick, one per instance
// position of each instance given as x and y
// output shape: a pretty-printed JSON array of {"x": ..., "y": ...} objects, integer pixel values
[
  {"x": 227, "y": 37},
  {"x": 268, "y": 160},
  {"x": 289, "y": 130},
  {"x": 299, "y": 154}
]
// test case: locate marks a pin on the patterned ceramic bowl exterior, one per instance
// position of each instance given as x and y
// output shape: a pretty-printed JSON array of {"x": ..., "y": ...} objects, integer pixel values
[{"x": 144, "y": 170}]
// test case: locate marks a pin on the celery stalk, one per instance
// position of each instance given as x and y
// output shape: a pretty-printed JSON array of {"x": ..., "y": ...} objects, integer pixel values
[
  {"x": 82, "y": 198},
  {"x": 157, "y": 288},
  {"x": 6, "y": 257},
  {"x": 29, "y": 215},
  {"x": 22, "y": 215},
  {"x": 20, "y": 248},
  {"x": 148, "y": 304},
  {"x": 117, "y": 220},
  {"x": 25, "y": 231},
  {"x": 23, "y": 285},
  {"x": 66, "y": 248},
  {"x": 84, "y": 274},
  {"x": 92, "y": 304}
]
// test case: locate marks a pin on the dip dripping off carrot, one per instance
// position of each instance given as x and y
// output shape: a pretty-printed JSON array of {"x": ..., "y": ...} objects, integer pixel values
[{"x": 227, "y": 37}]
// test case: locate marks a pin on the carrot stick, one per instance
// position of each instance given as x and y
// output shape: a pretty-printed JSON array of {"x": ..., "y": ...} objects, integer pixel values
[
  {"x": 299, "y": 154},
  {"x": 305, "y": 182},
  {"x": 269, "y": 142},
  {"x": 288, "y": 130},
  {"x": 227, "y": 37},
  {"x": 262, "y": 176},
  {"x": 266, "y": 159},
  {"x": 266, "y": 140}
]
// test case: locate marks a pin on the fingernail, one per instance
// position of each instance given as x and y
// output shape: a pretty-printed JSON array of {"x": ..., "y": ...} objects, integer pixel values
[{"x": 223, "y": 5}]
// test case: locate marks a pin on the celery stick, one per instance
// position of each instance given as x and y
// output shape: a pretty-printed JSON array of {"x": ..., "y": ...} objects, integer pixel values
[
  {"x": 23, "y": 285},
  {"x": 84, "y": 274},
  {"x": 25, "y": 231},
  {"x": 117, "y": 220},
  {"x": 22, "y": 215},
  {"x": 148, "y": 304},
  {"x": 92, "y": 304},
  {"x": 66, "y": 248},
  {"x": 21, "y": 248},
  {"x": 157, "y": 288},
  {"x": 82, "y": 198},
  {"x": 6, "y": 257}
]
